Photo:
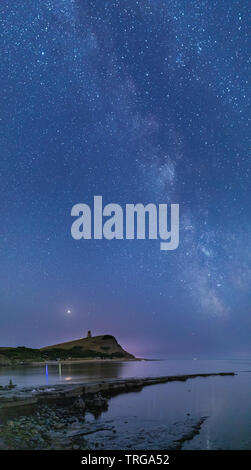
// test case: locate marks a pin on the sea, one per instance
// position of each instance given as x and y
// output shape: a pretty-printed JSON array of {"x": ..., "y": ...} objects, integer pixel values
[{"x": 201, "y": 413}]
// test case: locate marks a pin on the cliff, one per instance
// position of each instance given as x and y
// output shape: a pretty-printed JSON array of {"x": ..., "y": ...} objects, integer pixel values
[{"x": 96, "y": 346}]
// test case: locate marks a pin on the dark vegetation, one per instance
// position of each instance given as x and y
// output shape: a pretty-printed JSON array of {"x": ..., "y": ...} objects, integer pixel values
[{"x": 23, "y": 354}]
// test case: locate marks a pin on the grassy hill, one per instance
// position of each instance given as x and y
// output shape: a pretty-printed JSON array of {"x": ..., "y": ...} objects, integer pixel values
[
  {"x": 102, "y": 346},
  {"x": 97, "y": 347}
]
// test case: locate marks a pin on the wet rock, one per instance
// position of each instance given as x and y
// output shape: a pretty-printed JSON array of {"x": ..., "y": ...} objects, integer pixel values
[
  {"x": 97, "y": 402},
  {"x": 79, "y": 404},
  {"x": 59, "y": 425},
  {"x": 2, "y": 444},
  {"x": 10, "y": 423}
]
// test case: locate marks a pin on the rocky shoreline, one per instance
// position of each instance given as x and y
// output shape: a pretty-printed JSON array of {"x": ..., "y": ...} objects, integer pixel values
[
  {"x": 64, "y": 428},
  {"x": 57, "y": 417}
]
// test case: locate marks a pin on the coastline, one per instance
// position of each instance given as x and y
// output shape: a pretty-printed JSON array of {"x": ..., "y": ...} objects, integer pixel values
[
  {"x": 72, "y": 361},
  {"x": 25, "y": 396},
  {"x": 56, "y": 417},
  {"x": 84, "y": 361}
]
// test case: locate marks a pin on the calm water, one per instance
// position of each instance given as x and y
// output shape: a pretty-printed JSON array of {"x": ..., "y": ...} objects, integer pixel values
[
  {"x": 148, "y": 418},
  {"x": 55, "y": 374}
]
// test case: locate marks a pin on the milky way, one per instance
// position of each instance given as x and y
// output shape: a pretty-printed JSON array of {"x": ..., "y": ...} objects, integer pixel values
[{"x": 137, "y": 101}]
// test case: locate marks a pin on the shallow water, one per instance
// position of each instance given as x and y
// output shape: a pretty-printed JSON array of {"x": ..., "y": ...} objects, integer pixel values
[
  {"x": 63, "y": 373},
  {"x": 166, "y": 411},
  {"x": 159, "y": 415}
]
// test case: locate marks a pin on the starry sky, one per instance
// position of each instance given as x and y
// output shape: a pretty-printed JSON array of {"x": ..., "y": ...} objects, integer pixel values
[{"x": 137, "y": 101}]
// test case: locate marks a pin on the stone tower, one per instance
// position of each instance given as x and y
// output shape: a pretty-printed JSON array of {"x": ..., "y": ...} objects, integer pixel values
[{"x": 89, "y": 334}]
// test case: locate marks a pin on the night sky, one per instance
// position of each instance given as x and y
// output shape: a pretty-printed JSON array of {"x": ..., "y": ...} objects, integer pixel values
[{"x": 137, "y": 101}]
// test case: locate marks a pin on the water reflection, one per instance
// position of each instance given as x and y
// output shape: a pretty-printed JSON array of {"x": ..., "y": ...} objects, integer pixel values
[
  {"x": 49, "y": 374},
  {"x": 226, "y": 401},
  {"x": 46, "y": 374}
]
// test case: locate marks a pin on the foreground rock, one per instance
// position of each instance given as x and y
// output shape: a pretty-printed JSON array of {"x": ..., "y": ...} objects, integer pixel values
[
  {"x": 45, "y": 429},
  {"x": 53, "y": 428}
]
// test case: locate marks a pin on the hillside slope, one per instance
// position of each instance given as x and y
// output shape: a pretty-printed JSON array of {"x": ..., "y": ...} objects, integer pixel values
[{"x": 103, "y": 346}]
